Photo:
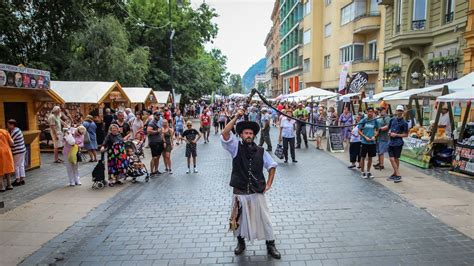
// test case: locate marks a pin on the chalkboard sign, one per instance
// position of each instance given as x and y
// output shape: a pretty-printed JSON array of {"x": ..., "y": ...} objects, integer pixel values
[{"x": 336, "y": 142}]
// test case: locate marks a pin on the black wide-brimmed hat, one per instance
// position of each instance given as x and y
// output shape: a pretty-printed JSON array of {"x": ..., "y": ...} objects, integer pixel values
[{"x": 247, "y": 125}]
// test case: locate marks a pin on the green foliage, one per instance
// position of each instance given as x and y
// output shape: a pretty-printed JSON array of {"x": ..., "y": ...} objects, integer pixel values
[
  {"x": 235, "y": 83},
  {"x": 261, "y": 87}
]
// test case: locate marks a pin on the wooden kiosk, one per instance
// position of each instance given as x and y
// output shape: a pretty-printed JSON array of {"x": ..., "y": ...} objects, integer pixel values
[
  {"x": 163, "y": 97},
  {"x": 23, "y": 93},
  {"x": 140, "y": 98}
]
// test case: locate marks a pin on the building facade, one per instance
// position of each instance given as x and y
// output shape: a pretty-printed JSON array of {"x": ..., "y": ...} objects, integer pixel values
[
  {"x": 291, "y": 37},
  {"x": 273, "y": 82},
  {"x": 423, "y": 42},
  {"x": 469, "y": 36}
]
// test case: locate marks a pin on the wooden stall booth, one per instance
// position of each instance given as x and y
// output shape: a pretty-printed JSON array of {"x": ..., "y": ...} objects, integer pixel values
[
  {"x": 23, "y": 93},
  {"x": 140, "y": 98},
  {"x": 163, "y": 97},
  {"x": 81, "y": 98}
]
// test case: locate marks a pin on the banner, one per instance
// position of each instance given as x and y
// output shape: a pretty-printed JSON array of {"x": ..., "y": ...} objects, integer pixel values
[
  {"x": 416, "y": 152},
  {"x": 343, "y": 77},
  {"x": 22, "y": 77},
  {"x": 358, "y": 81}
]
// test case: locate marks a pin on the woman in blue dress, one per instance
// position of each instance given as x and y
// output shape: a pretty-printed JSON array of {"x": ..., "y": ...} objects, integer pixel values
[{"x": 91, "y": 146}]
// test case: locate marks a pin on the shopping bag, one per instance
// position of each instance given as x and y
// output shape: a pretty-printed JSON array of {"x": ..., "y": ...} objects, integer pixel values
[
  {"x": 279, "y": 151},
  {"x": 72, "y": 156}
]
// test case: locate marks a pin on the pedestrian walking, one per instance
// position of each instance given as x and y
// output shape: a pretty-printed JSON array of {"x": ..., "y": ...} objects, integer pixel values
[
  {"x": 168, "y": 144},
  {"x": 191, "y": 137},
  {"x": 368, "y": 130},
  {"x": 265, "y": 135},
  {"x": 383, "y": 138},
  {"x": 250, "y": 216},
  {"x": 18, "y": 152},
  {"x": 73, "y": 142},
  {"x": 155, "y": 141},
  {"x": 7, "y": 165},
  {"x": 205, "y": 124},
  {"x": 55, "y": 126},
  {"x": 398, "y": 129},
  {"x": 345, "y": 120},
  {"x": 116, "y": 155},
  {"x": 354, "y": 143},
  {"x": 91, "y": 145},
  {"x": 320, "y": 119},
  {"x": 99, "y": 132},
  {"x": 287, "y": 136},
  {"x": 301, "y": 114},
  {"x": 215, "y": 122}
]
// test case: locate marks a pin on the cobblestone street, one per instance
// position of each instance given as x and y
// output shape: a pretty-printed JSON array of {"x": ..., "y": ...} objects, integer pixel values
[{"x": 322, "y": 215}]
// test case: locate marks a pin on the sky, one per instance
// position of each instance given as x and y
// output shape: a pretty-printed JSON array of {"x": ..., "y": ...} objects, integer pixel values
[{"x": 243, "y": 26}]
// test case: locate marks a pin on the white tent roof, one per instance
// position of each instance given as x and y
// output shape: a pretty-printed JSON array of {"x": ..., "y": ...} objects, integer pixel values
[
  {"x": 379, "y": 96},
  {"x": 456, "y": 85},
  {"x": 162, "y": 96},
  {"x": 459, "y": 96},
  {"x": 347, "y": 97},
  {"x": 177, "y": 98},
  {"x": 82, "y": 91},
  {"x": 312, "y": 91},
  {"x": 137, "y": 95}
]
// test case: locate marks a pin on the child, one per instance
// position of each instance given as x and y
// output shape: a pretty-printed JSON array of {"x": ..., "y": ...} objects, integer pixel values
[
  {"x": 191, "y": 137},
  {"x": 135, "y": 166}
]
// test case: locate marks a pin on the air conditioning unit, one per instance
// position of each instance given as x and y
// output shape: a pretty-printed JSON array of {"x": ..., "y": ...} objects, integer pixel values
[{"x": 385, "y": 2}]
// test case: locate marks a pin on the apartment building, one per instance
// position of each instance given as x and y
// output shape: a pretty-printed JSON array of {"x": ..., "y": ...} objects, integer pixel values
[
  {"x": 469, "y": 36},
  {"x": 273, "y": 82},
  {"x": 423, "y": 42},
  {"x": 291, "y": 14}
]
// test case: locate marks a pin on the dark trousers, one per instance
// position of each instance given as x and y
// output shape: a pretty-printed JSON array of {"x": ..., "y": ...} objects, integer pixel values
[
  {"x": 354, "y": 152},
  {"x": 265, "y": 138},
  {"x": 301, "y": 130},
  {"x": 291, "y": 141}
]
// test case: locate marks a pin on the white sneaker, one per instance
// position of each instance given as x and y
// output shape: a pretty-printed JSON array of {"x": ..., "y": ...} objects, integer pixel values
[
  {"x": 369, "y": 175},
  {"x": 196, "y": 170},
  {"x": 79, "y": 184},
  {"x": 189, "y": 171},
  {"x": 364, "y": 176}
]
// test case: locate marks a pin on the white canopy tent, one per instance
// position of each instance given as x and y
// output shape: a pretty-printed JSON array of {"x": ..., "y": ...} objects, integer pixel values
[
  {"x": 92, "y": 92},
  {"x": 312, "y": 92},
  {"x": 139, "y": 95},
  {"x": 379, "y": 96},
  {"x": 459, "y": 96},
  {"x": 163, "y": 97}
]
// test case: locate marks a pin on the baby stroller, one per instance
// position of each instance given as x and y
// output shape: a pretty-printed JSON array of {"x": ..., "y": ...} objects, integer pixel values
[
  {"x": 98, "y": 174},
  {"x": 135, "y": 166}
]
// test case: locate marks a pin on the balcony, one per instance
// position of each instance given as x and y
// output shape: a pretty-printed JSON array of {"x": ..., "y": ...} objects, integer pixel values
[
  {"x": 367, "y": 23},
  {"x": 367, "y": 65},
  {"x": 448, "y": 18},
  {"x": 418, "y": 24}
]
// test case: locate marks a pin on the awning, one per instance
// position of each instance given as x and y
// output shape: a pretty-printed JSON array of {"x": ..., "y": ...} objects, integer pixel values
[
  {"x": 163, "y": 97},
  {"x": 459, "y": 96},
  {"x": 379, "y": 96},
  {"x": 94, "y": 92},
  {"x": 139, "y": 95},
  {"x": 312, "y": 92}
]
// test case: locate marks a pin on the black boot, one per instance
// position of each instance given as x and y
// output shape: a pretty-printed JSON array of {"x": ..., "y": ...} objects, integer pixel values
[
  {"x": 240, "y": 246},
  {"x": 272, "y": 250}
]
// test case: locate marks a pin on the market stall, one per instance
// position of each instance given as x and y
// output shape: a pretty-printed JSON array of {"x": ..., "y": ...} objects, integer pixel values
[
  {"x": 140, "y": 98},
  {"x": 23, "y": 93},
  {"x": 163, "y": 97},
  {"x": 463, "y": 157},
  {"x": 379, "y": 99},
  {"x": 79, "y": 99}
]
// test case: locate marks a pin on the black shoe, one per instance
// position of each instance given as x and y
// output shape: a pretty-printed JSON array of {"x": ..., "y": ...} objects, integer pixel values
[
  {"x": 272, "y": 250},
  {"x": 240, "y": 246},
  {"x": 351, "y": 166},
  {"x": 298, "y": 147},
  {"x": 295, "y": 161},
  {"x": 22, "y": 182},
  {"x": 306, "y": 145},
  {"x": 286, "y": 161},
  {"x": 269, "y": 150},
  {"x": 16, "y": 183}
]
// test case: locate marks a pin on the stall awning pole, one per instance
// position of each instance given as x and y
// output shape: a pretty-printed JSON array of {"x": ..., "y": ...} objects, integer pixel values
[{"x": 464, "y": 120}]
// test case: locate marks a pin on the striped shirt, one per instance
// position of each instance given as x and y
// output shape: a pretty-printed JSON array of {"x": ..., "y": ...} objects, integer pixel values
[{"x": 18, "y": 141}]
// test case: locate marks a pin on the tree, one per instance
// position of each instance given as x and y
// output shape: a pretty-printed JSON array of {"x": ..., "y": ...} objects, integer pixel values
[
  {"x": 101, "y": 52},
  {"x": 235, "y": 83},
  {"x": 261, "y": 87}
]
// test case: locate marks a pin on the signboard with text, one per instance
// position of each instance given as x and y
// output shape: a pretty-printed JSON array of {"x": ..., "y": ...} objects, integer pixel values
[
  {"x": 416, "y": 152},
  {"x": 463, "y": 160},
  {"x": 22, "y": 77},
  {"x": 358, "y": 81}
]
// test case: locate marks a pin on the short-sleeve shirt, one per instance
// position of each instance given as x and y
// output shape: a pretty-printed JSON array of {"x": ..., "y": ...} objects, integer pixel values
[
  {"x": 155, "y": 138},
  {"x": 55, "y": 120},
  {"x": 287, "y": 128},
  {"x": 265, "y": 118},
  {"x": 368, "y": 127},
  {"x": 300, "y": 113},
  {"x": 205, "y": 120},
  {"x": 399, "y": 126},
  {"x": 190, "y": 134},
  {"x": 383, "y": 121}
]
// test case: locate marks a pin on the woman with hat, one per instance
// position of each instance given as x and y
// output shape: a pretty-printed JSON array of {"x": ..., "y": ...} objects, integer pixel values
[
  {"x": 73, "y": 136},
  {"x": 250, "y": 216},
  {"x": 18, "y": 151},
  {"x": 91, "y": 146}
]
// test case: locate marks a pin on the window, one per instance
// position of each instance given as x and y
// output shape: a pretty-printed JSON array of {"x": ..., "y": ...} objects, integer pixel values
[
  {"x": 419, "y": 15},
  {"x": 398, "y": 21},
  {"x": 372, "y": 50},
  {"x": 359, "y": 7},
  {"x": 306, "y": 65},
  {"x": 327, "y": 30},
  {"x": 374, "y": 8},
  {"x": 351, "y": 52},
  {"x": 327, "y": 61},
  {"x": 449, "y": 14},
  {"x": 358, "y": 52},
  {"x": 307, "y": 37},
  {"x": 327, "y": 2},
  {"x": 347, "y": 14},
  {"x": 307, "y": 8}
]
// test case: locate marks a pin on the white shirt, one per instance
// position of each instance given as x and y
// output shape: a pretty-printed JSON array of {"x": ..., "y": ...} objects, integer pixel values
[
  {"x": 445, "y": 121},
  {"x": 287, "y": 127},
  {"x": 232, "y": 146}
]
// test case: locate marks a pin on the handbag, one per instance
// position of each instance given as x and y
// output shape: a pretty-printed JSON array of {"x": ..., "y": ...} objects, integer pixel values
[
  {"x": 87, "y": 138},
  {"x": 72, "y": 156},
  {"x": 279, "y": 151}
]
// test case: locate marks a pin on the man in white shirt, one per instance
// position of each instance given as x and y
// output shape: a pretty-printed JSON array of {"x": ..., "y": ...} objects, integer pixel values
[{"x": 444, "y": 121}]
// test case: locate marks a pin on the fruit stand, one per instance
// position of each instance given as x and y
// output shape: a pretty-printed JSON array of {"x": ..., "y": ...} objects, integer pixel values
[{"x": 23, "y": 94}]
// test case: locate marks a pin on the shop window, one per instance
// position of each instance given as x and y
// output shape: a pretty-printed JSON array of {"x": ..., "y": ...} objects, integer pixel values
[{"x": 17, "y": 111}]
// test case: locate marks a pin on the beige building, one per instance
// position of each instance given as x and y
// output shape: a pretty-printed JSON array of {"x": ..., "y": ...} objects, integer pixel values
[
  {"x": 423, "y": 42},
  {"x": 273, "y": 82},
  {"x": 340, "y": 32}
]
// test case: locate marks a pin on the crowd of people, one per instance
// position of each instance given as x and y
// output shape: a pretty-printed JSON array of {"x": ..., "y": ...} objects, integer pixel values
[{"x": 121, "y": 133}]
